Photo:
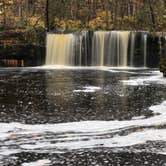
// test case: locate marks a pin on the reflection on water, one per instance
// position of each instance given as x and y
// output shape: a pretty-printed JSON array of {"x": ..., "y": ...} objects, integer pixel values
[
  {"x": 98, "y": 95},
  {"x": 63, "y": 117}
]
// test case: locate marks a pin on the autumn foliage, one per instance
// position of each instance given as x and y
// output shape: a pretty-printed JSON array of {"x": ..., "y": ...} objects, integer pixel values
[{"x": 83, "y": 14}]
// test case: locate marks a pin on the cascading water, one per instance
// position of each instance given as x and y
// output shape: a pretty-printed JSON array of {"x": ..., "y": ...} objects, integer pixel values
[
  {"x": 80, "y": 47},
  {"x": 99, "y": 48},
  {"x": 123, "y": 48},
  {"x": 110, "y": 48},
  {"x": 60, "y": 49},
  {"x": 66, "y": 49},
  {"x": 132, "y": 48},
  {"x": 145, "y": 48}
]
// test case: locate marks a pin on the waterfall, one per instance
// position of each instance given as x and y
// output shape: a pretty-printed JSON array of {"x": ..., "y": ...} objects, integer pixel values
[
  {"x": 98, "y": 48},
  {"x": 145, "y": 48},
  {"x": 60, "y": 49},
  {"x": 80, "y": 47},
  {"x": 110, "y": 48},
  {"x": 123, "y": 48},
  {"x": 132, "y": 48}
]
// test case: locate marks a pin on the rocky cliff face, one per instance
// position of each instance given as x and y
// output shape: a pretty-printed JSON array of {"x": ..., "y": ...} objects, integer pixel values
[
  {"x": 18, "y": 49},
  {"x": 163, "y": 66},
  {"x": 163, "y": 54}
]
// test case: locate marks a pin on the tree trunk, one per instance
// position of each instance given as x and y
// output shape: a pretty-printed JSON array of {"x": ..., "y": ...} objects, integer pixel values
[
  {"x": 20, "y": 10},
  {"x": 47, "y": 24},
  {"x": 30, "y": 4},
  {"x": 4, "y": 15},
  {"x": 152, "y": 13},
  {"x": 106, "y": 6}
]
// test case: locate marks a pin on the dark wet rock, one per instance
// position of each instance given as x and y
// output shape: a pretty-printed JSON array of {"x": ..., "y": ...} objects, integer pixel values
[
  {"x": 162, "y": 43},
  {"x": 163, "y": 66},
  {"x": 21, "y": 55},
  {"x": 18, "y": 48}
]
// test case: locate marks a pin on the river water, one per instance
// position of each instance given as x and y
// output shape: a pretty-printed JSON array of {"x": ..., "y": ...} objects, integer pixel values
[{"x": 82, "y": 116}]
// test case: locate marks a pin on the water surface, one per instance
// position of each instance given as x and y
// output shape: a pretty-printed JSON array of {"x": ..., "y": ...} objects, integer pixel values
[{"x": 76, "y": 116}]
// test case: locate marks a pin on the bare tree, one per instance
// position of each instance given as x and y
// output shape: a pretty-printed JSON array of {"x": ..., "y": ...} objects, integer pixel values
[
  {"x": 151, "y": 13},
  {"x": 4, "y": 14},
  {"x": 47, "y": 24}
]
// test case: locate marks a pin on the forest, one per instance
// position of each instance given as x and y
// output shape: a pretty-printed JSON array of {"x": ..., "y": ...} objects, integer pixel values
[
  {"x": 28, "y": 15},
  {"x": 24, "y": 23},
  {"x": 82, "y": 82}
]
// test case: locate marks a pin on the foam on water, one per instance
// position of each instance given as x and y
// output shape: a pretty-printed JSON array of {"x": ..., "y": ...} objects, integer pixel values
[
  {"x": 38, "y": 163},
  {"x": 155, "y": 78},
  {"x": 111, "y": 69},
  {"x": 56, "y": 138},
  {"x": 87, "y": 89}
]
